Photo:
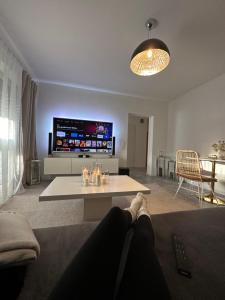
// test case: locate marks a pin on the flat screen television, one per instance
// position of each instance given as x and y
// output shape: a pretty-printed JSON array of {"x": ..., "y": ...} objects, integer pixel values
[{"x": 70, "y": 135}]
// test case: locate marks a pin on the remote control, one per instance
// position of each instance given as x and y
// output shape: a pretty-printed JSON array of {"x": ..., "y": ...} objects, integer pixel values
[{"x": 182, "y": 262}]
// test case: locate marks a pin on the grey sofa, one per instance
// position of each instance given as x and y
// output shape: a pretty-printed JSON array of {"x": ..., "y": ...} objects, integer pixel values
[{"x": 203, "y": 233}]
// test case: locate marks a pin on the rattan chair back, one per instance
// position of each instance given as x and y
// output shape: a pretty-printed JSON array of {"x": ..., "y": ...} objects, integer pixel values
[{"x": 188, "y": 164}]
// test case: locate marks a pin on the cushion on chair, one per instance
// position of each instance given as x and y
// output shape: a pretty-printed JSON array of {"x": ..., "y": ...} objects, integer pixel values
[{"x": 197, "y": 178}]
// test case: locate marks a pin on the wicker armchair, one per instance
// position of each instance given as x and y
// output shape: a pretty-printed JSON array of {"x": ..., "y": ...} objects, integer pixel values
[{"x": 188, "y": 166}]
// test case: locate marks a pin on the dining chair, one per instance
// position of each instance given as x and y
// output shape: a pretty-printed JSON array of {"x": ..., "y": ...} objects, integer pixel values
[{"x": 188, "y": 166}]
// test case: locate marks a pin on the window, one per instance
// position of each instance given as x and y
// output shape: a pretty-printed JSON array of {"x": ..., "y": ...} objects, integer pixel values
[{"x": 11, "y": 165}]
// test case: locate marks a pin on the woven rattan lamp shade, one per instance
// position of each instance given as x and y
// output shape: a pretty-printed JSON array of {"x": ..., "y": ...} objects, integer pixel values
[{"x": 150, "y": 57}]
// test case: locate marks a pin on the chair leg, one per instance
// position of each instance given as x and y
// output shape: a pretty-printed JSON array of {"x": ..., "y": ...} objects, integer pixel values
[
  {"x": 202, "y": 193},
  {"x": 181, "y": 179},
  {"x": 213, "y": 193},
  {"x": 199, "y": 194}
]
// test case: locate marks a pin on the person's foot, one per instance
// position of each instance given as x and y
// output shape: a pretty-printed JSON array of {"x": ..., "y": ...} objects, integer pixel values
[
  {"x": 144, "y": 209},
  {"x": 135, "y": 205}
]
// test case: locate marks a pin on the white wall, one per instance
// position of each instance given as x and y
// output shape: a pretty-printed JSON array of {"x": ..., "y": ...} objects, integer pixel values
[
  {"x": 196, "y": 120},
  {"x": 60, "y": 101},
  {"x": 137, "y": 141}
]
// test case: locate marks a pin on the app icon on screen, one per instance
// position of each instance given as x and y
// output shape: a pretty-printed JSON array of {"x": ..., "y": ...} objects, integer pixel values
[
  {"x": 58, "y": 142},
  {"x": 88, "y": 143},
  {"x": 65, "y": 143},
  {"x": 104, "y": 144},
  {"x": 93, "y": 143},
  {"x": 109, "y": 144},
  {"x": 100, "y": 136},
  {"x": 99, "y": 144},
  {"x": 60, "y": 134},
  {"x": 100, "y": 150},
  {"x": 74, "y": 134},
  {"x": 82, "y": 144},
  {"x": 92, "y": 150},
  {"x": 77, "y": 143}
]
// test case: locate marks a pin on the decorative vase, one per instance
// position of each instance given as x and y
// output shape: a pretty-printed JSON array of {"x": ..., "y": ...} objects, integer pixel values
[{"x": 221, "y": 154}]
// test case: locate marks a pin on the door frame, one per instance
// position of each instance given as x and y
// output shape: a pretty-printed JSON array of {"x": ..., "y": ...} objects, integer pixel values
[{"x": 149, "y": 140}]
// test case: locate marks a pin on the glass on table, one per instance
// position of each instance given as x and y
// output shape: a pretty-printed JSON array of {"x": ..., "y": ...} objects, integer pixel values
[
  {"x": 85, "y": 176},
  {"x": 105, "y": 177}
]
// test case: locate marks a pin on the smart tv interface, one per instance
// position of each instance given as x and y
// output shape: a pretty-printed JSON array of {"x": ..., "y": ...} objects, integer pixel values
[{"x": 70, "y": 135}]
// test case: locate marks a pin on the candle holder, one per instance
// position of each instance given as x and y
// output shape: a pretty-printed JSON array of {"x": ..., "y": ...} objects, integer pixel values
[
  {"x": 105, "y": 177},
  {"x": 85, "y": 176},
  {"x": 95, "y": 176}
]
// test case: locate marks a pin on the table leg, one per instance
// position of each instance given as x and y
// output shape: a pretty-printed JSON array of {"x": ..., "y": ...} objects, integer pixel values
[
  {"x": 210, "y": 197},
  {"x": 213, "y": 176},
  {"x": 96, "y": 208}
]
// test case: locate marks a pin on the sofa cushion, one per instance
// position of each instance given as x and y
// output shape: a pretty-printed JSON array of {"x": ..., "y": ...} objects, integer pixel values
[{"x": 203, "y": 234}]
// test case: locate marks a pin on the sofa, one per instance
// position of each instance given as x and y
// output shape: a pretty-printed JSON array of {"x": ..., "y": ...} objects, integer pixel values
[{"x": 203, "y": 234}]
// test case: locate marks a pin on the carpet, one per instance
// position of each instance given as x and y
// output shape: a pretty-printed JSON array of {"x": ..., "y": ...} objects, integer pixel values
[{"x": 68, "y": 212}]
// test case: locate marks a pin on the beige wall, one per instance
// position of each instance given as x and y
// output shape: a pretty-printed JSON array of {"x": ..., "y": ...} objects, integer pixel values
[
  {"x": 60, "y": 101},
  {"x": 196, "y": 120}
]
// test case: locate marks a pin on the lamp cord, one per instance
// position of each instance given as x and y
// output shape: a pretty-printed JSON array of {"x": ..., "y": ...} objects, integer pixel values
[{"x": 149, "y": 29}]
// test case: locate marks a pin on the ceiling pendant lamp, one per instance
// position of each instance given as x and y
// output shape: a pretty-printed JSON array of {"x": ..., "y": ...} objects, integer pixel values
[{"x": 151, "y": 56}]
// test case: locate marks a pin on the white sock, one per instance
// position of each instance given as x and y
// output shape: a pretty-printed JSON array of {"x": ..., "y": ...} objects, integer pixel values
[
  {"x": 144, "y": 209},
  {"x": 135, "y": 205}
]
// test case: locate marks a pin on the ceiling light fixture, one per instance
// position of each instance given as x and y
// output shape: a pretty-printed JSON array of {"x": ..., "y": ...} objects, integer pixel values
[{"x": 151, "y": 56}]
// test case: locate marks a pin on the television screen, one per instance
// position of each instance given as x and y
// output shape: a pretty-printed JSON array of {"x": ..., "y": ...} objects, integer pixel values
[{"x": 71, "y": 135}]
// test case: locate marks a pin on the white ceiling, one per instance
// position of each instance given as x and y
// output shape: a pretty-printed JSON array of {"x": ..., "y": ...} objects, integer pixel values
[{"x": 89, "y": 42}]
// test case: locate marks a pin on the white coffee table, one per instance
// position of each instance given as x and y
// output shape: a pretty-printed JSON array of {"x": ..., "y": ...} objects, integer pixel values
[{"x": 97, "y": 199}]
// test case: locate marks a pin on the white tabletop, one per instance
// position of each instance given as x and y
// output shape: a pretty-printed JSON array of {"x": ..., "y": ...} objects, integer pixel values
[
  {"x": 216, "y": 160},
  {"x": 70, "y": 187}
]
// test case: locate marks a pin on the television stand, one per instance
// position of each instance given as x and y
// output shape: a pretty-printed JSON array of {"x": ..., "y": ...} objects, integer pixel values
[{"x": 74, "y": 165}]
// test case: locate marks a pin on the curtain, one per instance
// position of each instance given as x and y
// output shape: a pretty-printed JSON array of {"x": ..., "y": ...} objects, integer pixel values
[
  {"x": 11, "y": 160},
  {"x": 29, "y": 91}
]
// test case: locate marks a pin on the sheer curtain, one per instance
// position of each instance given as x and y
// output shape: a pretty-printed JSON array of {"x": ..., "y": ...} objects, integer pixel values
[{"x": 11, "y": 160}]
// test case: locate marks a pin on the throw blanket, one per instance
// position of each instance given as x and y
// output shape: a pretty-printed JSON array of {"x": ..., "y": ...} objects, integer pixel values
[{"x": 18, "y": 245}]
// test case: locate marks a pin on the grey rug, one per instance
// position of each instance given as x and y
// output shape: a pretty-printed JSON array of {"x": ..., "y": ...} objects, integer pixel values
[{"x": 68, "y": 212}]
